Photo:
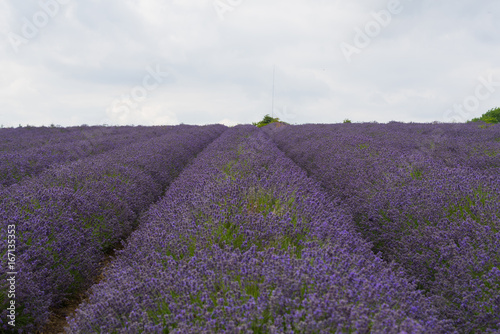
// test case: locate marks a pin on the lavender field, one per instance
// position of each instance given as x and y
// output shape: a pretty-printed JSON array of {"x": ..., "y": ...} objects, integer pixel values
[{"x": 341, "y": 228}]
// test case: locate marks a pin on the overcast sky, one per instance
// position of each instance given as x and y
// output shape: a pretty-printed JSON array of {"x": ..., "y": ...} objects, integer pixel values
[{"x": 155, "y": 62}]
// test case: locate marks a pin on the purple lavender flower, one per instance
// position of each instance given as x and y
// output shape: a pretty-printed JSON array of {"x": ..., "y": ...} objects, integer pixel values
[
  {"x": 427, "y": 197},
  {"x": 68, "y": 217},
  {"x": 243, "y": 241}
]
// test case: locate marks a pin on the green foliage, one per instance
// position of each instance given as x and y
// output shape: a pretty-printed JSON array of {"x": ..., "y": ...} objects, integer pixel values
[
  {"x": 416, "y": 174},
  {"x": 491, "y": 116},
  {"x": 347, "y": 120},
  {"x": 158, "y": 316},
  {"x": 266, "y": 120}
]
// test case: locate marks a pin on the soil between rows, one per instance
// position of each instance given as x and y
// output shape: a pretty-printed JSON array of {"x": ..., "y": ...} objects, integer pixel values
[{"x": 58, "y": 318}]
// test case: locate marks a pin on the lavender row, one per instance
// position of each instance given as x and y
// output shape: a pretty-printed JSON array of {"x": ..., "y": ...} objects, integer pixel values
[
  {"x": 68, "y": 218},
  {"x": 17, "y": 163},
  {"x": 17, "y": 139},
  {"x": 465, "y": 145},
  {"x": 244, "y": 242},
  {"x": 441, "y": 224},
  {"x": 12, "y": 139},
  {"x": 454, "y": 145}
]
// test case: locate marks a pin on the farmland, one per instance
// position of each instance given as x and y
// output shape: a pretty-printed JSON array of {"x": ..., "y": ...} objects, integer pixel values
[{"x": 341, "y": 228}]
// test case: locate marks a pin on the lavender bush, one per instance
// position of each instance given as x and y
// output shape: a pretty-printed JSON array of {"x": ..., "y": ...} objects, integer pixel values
[
  {"x": 69, "y": 216},
  {"x": 16, "y": 139},
  {"x": 61, "y": 147},
  {"x": 244, "y": 242},
  {"x": 426, "y": 196}
]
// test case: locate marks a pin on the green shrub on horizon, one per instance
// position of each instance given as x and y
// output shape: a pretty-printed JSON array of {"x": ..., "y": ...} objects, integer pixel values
[
  {"x": 267, "y": 120},
  {"x": 491, "y": 116}
]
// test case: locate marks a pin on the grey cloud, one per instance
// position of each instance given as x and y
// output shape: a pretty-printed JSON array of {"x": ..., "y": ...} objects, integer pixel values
[{"x": 425, "y": 60}]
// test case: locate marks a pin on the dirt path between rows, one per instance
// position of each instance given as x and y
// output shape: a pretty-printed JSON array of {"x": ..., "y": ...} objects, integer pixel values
[{"x": 58, "y": 318}]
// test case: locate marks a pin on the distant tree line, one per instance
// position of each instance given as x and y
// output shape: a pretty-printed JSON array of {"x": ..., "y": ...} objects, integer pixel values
[{"x": 492, "y": 116}]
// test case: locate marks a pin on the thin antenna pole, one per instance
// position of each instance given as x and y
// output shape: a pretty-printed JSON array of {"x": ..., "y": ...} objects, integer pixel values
[{"x": 272, "y": 108}]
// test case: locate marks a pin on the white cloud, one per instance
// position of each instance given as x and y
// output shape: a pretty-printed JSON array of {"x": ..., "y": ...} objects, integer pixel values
[{"x": 426, "y": 60}]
